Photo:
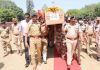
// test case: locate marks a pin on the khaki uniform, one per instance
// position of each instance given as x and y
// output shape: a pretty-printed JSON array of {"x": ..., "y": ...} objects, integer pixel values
[
  {"x": 83, "y": 28},
  {"x": 5, "y": 39},
  {"x": 16, "y": 38},
  {"x": 71, "y": 40},
  {"x": 34, "y": 31},
  {"x": 98, "y": 39},
  {"x": 90, "y": 32},
  {"x": 44, "y": 32}
]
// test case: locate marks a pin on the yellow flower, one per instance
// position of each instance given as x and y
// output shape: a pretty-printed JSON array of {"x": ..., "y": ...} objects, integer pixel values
[{"x": 53, "y": 9}]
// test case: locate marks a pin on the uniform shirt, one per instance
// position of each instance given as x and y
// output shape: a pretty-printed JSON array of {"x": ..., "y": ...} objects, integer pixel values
[
  {"x": 72, "y": 31},
  {"x": 83, "y": 27},
  {"x": 98, "y": 28},
  {"x": 5, "y": 32},
  {"x": 44, "y": 29},
  {"x": 90, "y": 29},
  {"x": 15, "y": 29},
  {"x": 34, "y": 29},
  {"x": 23, "y": 26}
]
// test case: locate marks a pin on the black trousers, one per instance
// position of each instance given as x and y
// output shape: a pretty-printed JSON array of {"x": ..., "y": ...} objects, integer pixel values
[{"x": 27, "y": 57}]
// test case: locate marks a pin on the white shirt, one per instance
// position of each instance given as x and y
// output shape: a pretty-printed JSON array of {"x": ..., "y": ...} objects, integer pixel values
[{"x": 23, "y": 26}]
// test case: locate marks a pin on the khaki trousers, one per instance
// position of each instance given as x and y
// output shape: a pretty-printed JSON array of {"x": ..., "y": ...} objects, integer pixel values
[
  {"x": 89, "y": 43},
  {"x": 71, "y": 46},
  {"x": 35, "y": 45},
  {"x": 16, "y": 42},
  {"x": 6, "y": 44}
]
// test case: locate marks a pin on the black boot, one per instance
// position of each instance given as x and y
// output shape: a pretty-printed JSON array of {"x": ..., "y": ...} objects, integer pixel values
[
  {"x": 98, "y": 58},
  {"x": 11, "y": 52}
]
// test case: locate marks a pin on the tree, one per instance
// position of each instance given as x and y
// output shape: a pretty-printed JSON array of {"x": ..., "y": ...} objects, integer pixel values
[
  {"x": 73, "y": 12},
  {"x": 97, "y": 10},
  {"x": 30, "y": 6},
  {"x": 9, "y": 10},
  {"x": 89, "y": 11},
  {"x": 44, "y": 7}
]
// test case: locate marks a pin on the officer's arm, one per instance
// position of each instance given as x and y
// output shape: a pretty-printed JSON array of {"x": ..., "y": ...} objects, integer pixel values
[
  {"x": 20, "y": 32},
  {"x": 40, "y": 29},
  {"x": 96, "y": 38},
  {"x": 81, "y": 35},
  {"x": 10, "y": 34},
  {"x": 97, "y": 35},
  {"x": 26, "y": 36},
  {"x": 64, "y": 28}
]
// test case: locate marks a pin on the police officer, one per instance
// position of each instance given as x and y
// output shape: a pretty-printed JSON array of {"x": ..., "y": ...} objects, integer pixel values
[
  {"x": 15, "y": 33},
  {"x": 44, "y": 31},
  {"x": 83, "y": 28},
  {"x": 34, "y": 30},
  {"x": 5, "y": 38},
  {"x": 89, "y": 34},
  {"x": 73, "y": 32},
  {"x": 98, "y": 37}
]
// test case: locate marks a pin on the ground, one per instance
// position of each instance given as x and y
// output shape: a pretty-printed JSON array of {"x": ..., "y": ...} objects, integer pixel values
[{"x": 17, "y": 62}]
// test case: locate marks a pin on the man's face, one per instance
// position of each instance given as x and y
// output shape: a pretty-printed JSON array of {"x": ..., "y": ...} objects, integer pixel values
[
  {"x": 42, "y": 20},
  {"x": 73, "y": 21},
  {"x": 34, "y": 19},
  {"x": 89, "y": 22},
  {"x": 85, "y": 22},
  {"x": 27, "y": 18},
  {"x": 15, "y": 22}
]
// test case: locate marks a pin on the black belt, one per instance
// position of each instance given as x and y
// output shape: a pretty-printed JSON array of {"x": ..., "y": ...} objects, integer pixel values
[
  {"x": 4, "y": 37},
  {"x": 36, "y": 36}
]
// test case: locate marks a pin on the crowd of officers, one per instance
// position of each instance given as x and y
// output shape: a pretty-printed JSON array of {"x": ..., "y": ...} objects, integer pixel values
[{"x": 36, "y": 36}]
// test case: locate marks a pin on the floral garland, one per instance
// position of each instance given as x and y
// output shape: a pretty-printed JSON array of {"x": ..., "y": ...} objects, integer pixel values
[{"x": 53, "y": 9}]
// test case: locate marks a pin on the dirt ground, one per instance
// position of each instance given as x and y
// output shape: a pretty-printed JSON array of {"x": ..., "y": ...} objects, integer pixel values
[{"x": 17, "y": 62}]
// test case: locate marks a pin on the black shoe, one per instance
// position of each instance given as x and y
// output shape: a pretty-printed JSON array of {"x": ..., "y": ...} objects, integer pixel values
[
  {"x": 45, "y": 62},
  {"x": 11, "y": 52},
  {"x": 5, "y": 54},
  {"x": 26, "y": 65},
  {"x": 98, "y": 58}
]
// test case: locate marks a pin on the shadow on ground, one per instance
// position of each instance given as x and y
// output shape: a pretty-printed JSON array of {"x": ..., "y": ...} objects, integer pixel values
[
  {"x": 50, "y": 52},
  {"x": 1, "y": 65}
]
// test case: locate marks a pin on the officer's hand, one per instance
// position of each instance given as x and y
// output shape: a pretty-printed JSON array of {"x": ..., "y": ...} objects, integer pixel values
[
  {"x": 26, "y": 45},
  {"x": 21, "y": 40},
  {"x": 96, "y": 41},
  {"x": 82, "y": 42}
]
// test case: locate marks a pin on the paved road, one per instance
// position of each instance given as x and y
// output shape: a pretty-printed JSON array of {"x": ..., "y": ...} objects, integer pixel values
[{"x": 16, "y": 62}]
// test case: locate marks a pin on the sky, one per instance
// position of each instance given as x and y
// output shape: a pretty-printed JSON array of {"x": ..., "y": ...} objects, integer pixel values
[{"x": 63, "y": 4}]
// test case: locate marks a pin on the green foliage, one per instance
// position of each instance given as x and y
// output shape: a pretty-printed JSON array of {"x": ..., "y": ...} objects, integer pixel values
[
  {"x": 44, "y": 7},
  {"x": 9, "y": 10},
  {"x": 89, "y": 11},
  {"x": 30, "y": 6},
  {"x": 73, "y": 12}
]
